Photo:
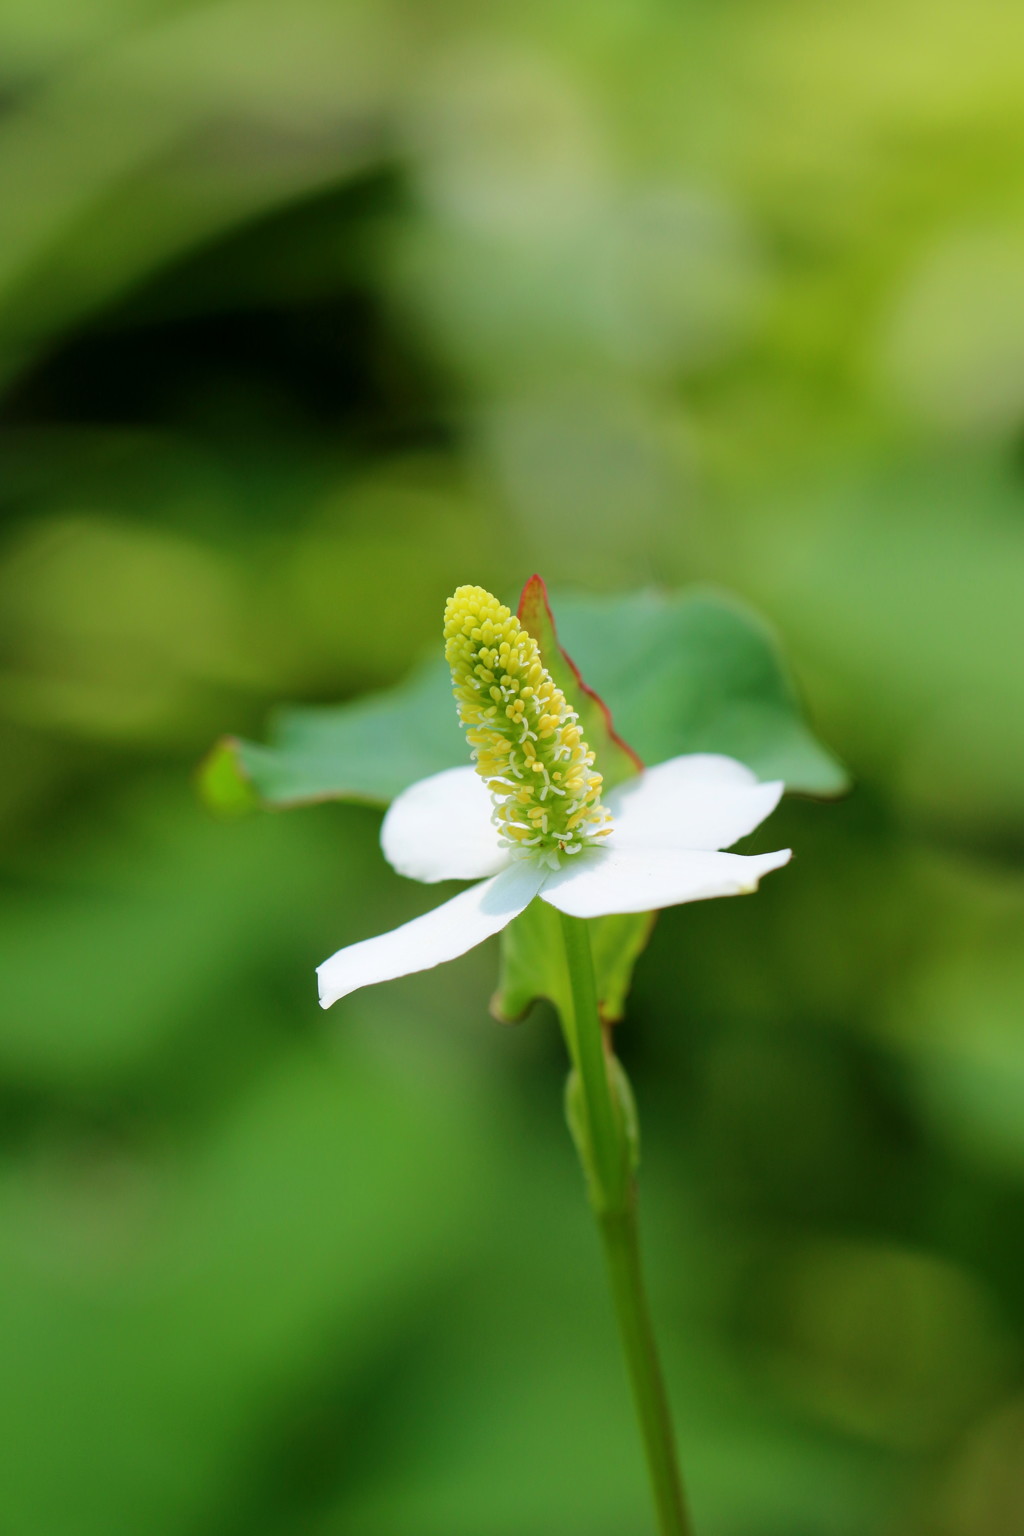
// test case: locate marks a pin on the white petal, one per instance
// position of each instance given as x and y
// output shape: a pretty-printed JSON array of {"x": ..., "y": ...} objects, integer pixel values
[
  {"x": 617, "y": 879},
  {"x": 446, "y": 932},
  {"x": 698, "y": 801},
  {"x": 441, "y": 829}
]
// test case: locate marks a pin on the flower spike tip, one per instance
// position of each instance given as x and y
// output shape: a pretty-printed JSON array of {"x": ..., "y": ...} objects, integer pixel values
[{"x": 526, "y": 739}]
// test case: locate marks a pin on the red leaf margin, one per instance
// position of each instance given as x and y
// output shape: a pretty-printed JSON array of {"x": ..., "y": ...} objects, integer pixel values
[{"x": 534, "y": 601}]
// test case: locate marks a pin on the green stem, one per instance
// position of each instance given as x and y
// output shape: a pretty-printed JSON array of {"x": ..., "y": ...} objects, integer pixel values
[
  {"x": 603, "y": 1141},
  {"x": 608, "y": 1155},
  {"x": 622, "y": 1251}
]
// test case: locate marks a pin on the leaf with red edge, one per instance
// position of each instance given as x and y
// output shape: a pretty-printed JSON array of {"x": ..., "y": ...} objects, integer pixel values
[
  {"x": 684, "y": 672},
  {"x": 615, "y": 759},
  {"x": 532, "y": 955}
]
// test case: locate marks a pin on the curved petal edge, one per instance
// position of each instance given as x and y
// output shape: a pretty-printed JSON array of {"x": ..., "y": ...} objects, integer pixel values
[
  {"x": 442, "y": 934},
  {"x": 616, "y": 879},
  {"x": 441, "y": 829}
]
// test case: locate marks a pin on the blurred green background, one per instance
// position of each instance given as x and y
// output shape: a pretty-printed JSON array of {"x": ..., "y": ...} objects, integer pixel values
[{"x": 309, "y": 313}]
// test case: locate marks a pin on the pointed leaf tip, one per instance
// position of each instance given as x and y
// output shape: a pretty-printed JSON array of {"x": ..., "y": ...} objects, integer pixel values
[{"x": 224, "y": 786}]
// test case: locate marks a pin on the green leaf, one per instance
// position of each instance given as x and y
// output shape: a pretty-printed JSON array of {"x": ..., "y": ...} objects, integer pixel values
[
  {"x": 368, "y": 750},
  {"x": 681, "y": 672},
  {"x": 697, "y": 672},
  {"x": 617, "y": 942}
]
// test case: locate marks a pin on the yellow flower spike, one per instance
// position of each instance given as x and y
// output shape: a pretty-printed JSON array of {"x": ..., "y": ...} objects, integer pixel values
[{"x": 526, "y": 741}]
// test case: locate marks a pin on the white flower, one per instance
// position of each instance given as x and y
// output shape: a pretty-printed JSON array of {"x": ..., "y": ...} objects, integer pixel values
[{"x": 669, "y": 825}]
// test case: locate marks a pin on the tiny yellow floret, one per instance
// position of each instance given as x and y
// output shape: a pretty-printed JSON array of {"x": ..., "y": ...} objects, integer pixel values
[{"x": 526, "y": 741}]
